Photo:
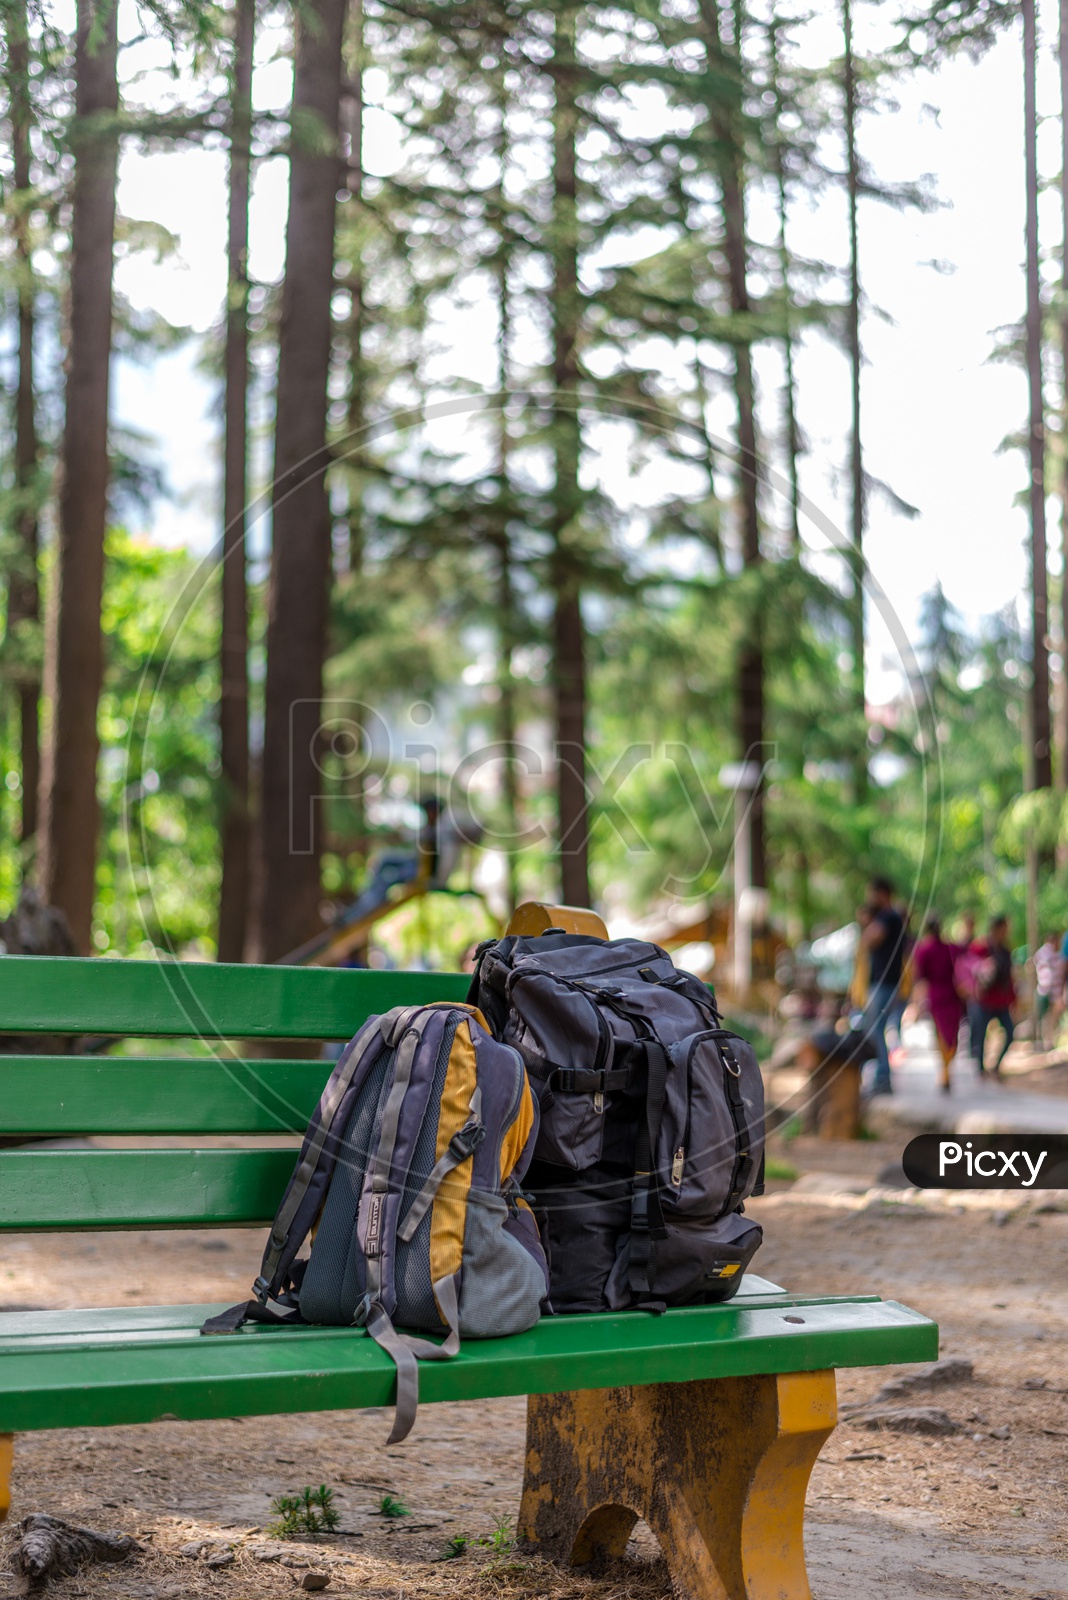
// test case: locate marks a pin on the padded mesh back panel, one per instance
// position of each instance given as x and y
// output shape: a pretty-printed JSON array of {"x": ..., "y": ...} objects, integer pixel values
[{"x": 333, "y": 1284}]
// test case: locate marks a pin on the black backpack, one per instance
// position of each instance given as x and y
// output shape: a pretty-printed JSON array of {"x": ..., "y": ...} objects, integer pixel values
[{"x": 652, "y": 1119}]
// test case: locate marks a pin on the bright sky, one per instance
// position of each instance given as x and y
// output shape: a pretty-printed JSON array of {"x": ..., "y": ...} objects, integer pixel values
[{"x": 935, "y": 408}]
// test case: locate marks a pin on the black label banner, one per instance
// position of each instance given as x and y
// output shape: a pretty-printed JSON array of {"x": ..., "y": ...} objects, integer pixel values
[{"x": 987, "y": 1161}]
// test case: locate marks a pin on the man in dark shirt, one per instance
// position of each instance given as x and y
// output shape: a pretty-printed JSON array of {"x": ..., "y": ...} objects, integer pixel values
[
  {"x": 995, "y": 992},
  {"x": 884, "y": 942}
]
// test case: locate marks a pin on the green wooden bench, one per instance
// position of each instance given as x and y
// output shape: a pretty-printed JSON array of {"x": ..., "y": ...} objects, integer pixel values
[{"x": 705, "y": 1421}]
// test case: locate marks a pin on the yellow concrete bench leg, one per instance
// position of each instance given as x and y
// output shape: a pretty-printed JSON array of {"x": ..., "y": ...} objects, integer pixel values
[
  {"x": 7, "y": 1456},
  {"x": 718, "y": 1468}
]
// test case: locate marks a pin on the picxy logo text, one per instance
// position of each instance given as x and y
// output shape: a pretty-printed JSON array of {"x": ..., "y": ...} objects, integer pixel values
[{"x": 987, "y": 1161}]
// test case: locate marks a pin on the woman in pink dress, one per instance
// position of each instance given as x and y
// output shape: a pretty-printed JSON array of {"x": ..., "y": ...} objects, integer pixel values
[{"x": 935, "y": 991}]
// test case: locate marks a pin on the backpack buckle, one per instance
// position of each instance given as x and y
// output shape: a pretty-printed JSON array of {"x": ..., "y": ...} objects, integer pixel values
[
  {"x": 362, "y": 1312},
  {"x": 466, "y": 1141},
  {"x": 262, "y": 1290}
]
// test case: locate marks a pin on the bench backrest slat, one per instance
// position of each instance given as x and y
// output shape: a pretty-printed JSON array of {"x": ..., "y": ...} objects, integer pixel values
[
  {"x": 59, "y": 1189},
  {"x": 188, "y": 1097},
  {"x": 70, "y": 1095},
  {"x": 170, "y": 999}
]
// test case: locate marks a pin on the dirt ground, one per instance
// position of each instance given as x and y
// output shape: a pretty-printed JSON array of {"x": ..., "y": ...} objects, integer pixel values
[{"x": 981, "y": 1513}]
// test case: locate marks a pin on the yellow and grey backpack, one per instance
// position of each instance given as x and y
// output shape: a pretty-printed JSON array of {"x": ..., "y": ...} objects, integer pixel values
[{"x": 408, "y": 1183}]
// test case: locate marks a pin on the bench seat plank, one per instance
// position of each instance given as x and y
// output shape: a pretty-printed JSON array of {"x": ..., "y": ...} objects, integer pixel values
[
  {"x": 171, "y": 999},
  {"x": 61, "y": 1189},
  {"x": 22, "y": 1331},
  {"x": 81, "y": 1095},
  {"x": 82, "y": 1382}
]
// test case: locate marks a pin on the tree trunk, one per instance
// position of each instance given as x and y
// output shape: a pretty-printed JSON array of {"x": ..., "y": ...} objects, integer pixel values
[
  {"x": 68, "y": 788},
  {"x": 856, "y": 458},
  {"x": 23, "y": 603},
  {"x": 1041, "y": 769},
  {"x": 736, "y": 249},
  {"x": 300, "y": 557},
  {"x": 569, "y": 637},
  {"x": 506, "y": 718},
  {"x": 352, "y": 109},
  {"x": 792, "y": 431},
  {"x": 355, "y": 412},
  {"x": 1063, "y": 55},
  {"x": 506, "y": 600},
  {"x": 233, "y": 703}
]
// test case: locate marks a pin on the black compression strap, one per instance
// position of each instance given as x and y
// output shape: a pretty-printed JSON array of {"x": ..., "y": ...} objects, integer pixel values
[
  {"x": 654, "y": 1111},
  {"x": 572, "y": 1080},
  {"x": 646, "y": 1216},
  {"x": 743, "y": 1160}
]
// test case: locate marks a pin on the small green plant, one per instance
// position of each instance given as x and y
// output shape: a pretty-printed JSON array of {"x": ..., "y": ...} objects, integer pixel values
[
  {"x": 779, "y": 1169},
  {"x": 502, "y": 1540},
  {"x": 790, "y": 1130},
  {"x": 309, "y": 1512},
  {"x": 391, "y": 1505},
  {"x": 457, "y": 1546}
]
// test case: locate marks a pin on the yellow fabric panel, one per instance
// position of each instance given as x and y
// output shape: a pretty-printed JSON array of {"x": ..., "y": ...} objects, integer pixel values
[
  {"x": 518, "y": 1134},
  {"x": 449, "y": 1213}
]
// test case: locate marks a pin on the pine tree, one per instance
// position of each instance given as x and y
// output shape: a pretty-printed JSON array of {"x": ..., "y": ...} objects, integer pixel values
[
  {"x": 974, "y": 25},
  {"x": 856, "y": 456},
  {"x": 724, "y": 113},
  {"x": 69, "y": 806},
  {"x": 779, "y": 156},
  {"x": 23, "y": 603},
  {"x": 568, "y": 634},
  {"x": 356, "y": 411},
  {"x": 300, "y": 556},
  {"x": 233, "y": 695},
  {"x": 1040, "y": 766},
  {"x": 1062, "y": 54}
]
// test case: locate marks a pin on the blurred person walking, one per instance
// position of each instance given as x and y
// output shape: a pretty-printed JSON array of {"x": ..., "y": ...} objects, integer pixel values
[
  {"x": 1049, "y": 985},
  {"x": 883, "y": 941},
  {"x": 895, "y": 1021},
  {"x": 935, "y": 993},
  {"x": 995, "y": 992}
]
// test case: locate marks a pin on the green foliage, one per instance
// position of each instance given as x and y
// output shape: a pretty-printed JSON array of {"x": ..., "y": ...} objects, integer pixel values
[
  {"x": 452, "y": 551},
  {"x": 390, "y": 1505},
  {"x": 502, "y": 1540},
  {"x": 157, "y": 874},
  {"x": 310, "y": 1512},
  {"x": 435, "y": 931},
  {"x": 457, "y": 1546}
]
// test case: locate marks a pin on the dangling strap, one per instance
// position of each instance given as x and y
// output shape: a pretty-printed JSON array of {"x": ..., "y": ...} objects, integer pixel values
[
  {"x": 406, "y": 1352},
  {"x": 252, "y": 1311}
]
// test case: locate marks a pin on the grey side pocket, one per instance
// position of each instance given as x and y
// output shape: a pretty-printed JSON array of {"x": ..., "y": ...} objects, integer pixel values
[
  {"x": 502, "y": 1286},
  {"x": 572, "y": 1132}
]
